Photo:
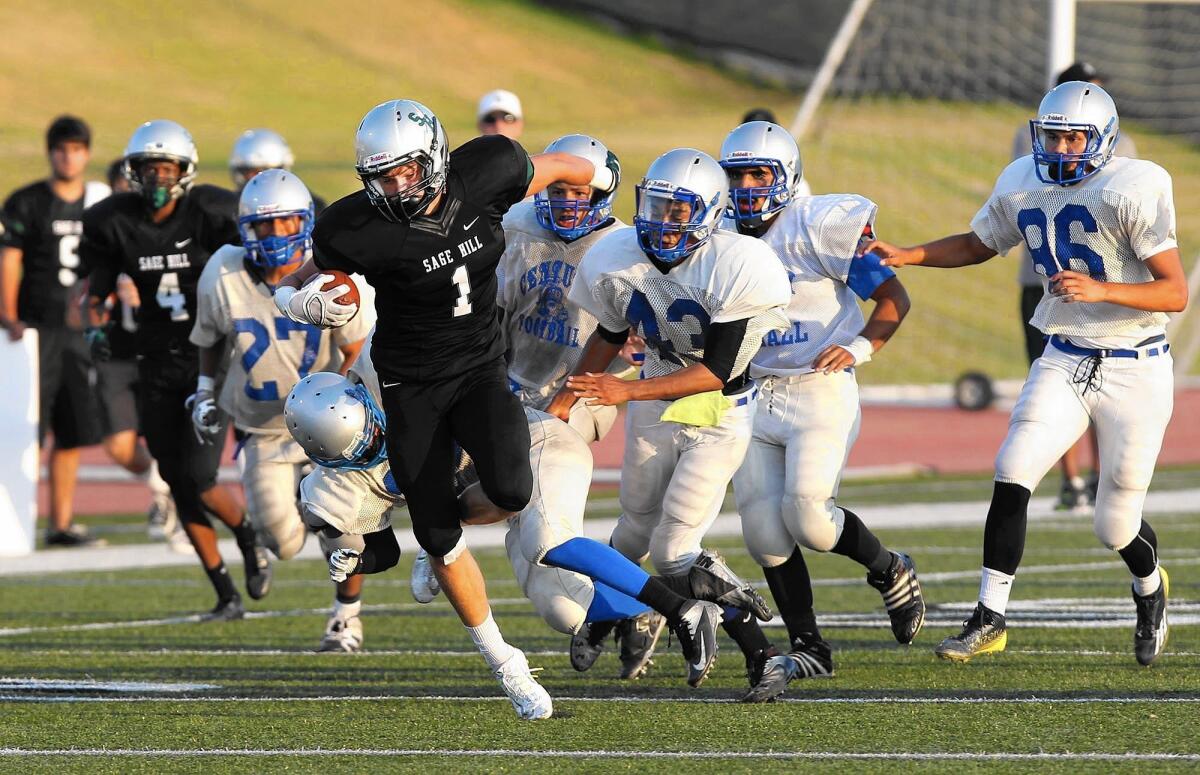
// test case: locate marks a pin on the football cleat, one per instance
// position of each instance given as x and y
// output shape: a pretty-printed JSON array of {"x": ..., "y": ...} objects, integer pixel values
[
  {"x": 1074, "y": 497},
  {"x": 983, "y": 633},
  {"x": 810, "y": 657},
  {"x": 161, "y": 518},
  {"x": 902, "y": 596},
  {"x": 258, "y": 572},
  {"x": 756, "y": 663},
  {"x": 711, "y": 579},
  {"x": 1150, "y": 637},
  {"x": 588, "y": 644},
  {"x": 637, "y": 637},
  {"x": 529, "y": 698},
  {"x": 342, "y": 635},
  {"x": 226, "y": 610},
  {"x": 423, "y": 584},
  {"x": 75, "y": 536},
  {"x": 696, "y": 629}
]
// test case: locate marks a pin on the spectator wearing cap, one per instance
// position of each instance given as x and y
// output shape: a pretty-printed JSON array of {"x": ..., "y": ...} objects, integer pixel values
[
  {"x": 1076, "y": 493},
  {"x": 499, "y": 113}
]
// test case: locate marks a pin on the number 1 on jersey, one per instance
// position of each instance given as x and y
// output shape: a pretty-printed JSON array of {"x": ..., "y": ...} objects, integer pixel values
[{"x": 462, "y": 305}]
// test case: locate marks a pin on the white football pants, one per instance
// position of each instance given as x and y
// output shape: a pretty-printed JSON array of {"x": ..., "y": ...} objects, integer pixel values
[
  {"x": 673, "y": 481},
  {"x": 786, "y": 486},
  {"x": 1130, "y": 410},
  {"x": 272, "y": 467}
]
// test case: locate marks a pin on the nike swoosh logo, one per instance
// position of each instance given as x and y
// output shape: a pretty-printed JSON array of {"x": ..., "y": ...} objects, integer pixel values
[
  {"x": 472, "y": 223},
  {"x": 183, "y": 243},
  {"x": 390, "y": 384},
  {"x": 699, "y": 663}
]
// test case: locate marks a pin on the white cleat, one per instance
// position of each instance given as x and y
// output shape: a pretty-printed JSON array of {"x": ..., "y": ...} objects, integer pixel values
[
  {"x": 342, "y": 635},
  {"x": 529, "y": 698},
  {"x": 424, "y": 583}
]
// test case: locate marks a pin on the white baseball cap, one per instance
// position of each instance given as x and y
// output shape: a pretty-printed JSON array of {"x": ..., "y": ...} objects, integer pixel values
[{"x": 501, "y": 101}]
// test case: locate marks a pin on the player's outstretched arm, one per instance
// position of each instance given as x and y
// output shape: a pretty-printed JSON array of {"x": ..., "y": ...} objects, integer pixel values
[
  {"x": 599, "y": 350},
  {"x": 1167, "y": 292},
  {"x": 608, "y": 390},
  {"x": 891, "y": 305},
  {"x": 947, "y": 253},
  {"x": 573, "y": 170}
]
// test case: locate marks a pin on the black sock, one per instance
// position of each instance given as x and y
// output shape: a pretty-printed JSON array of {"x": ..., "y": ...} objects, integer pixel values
[
  {"x": 347, "y": 599},
  {"x": 244, "y": 533},
  {"x": 680, "y": 584},
  {"x": 1141, "y": 556},
  {"x": 1004, "y": 531},
  {"x": 860, "y": 544},
  {"x": 661, "y": 598},
  {"x": 744, "y": 630},
  {"x": 792, "y": 589},
  {"x": 221, "y": 582}
]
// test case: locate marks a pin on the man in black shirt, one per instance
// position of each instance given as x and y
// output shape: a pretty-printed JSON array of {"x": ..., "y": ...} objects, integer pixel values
[
  {"x": 38, "y": 281},
  {"x": 426, "y": 233},
  {"x": 161, "y": 234}
]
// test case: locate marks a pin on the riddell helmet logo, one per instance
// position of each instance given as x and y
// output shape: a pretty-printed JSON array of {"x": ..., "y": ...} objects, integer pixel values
[{"x": 378, "y": 158}]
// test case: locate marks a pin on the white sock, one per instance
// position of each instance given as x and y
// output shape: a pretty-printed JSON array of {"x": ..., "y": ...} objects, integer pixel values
[
  {"x": 346, "y": 611},
  {"x": 1077, "y": 483},
  {"x": 154, "y": 481},
  {"x": 1148, "y": 585},
  {"x": 490, "y": 642},
  {"x": 994, "y": 588}
]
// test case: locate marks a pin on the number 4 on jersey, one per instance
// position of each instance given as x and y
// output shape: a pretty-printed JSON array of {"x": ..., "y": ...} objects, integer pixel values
[{"x": 170, "y": 296}]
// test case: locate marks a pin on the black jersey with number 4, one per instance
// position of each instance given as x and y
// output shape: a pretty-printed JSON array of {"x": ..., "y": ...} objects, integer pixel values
[
  {"x": 164, "y": 259},
  {"x": 46, "y": 229},
  {"x": 434, "y": 276}
]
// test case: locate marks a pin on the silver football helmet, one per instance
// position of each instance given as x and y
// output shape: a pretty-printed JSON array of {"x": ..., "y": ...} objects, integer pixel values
[
  {"x": 761, "y": 144},
  {"x": 256, "y": 150},
  {"x": 1074, "y": 106},
  {"x": 395, "y": 133},
  {"x": 336, "y": 422},
  {"x": 274, "y": 194},
  {"x": 586, "y": 216},
  {"x": 160, "y": 139},
  {"x": 679, "y": 203}
]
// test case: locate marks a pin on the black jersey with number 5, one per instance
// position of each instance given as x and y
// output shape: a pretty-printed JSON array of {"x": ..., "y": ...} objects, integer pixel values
[
  {"x": 164, "y": 259},
  {"x": 434, "y": 276}
]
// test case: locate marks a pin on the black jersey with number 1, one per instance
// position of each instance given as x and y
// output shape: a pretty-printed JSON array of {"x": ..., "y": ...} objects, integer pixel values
[
  {"x": 434, "y": 276},
  {"x": 164, "y": 259}
]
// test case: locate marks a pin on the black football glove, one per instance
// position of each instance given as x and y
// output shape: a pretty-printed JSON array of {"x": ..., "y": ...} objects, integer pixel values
[{"x": 98, "y": 342}]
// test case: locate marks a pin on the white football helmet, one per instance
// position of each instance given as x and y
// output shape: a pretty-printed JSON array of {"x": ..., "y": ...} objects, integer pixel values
[
  {"x": 588, "y": 215},
  {"x": 395, "y": 133},
  {"x": 273, "y": 194},
  {"x": 336, "y": 422},
  {"x": 258, "y": 149},
  {"x": 679, "y": 203},
  {"x": 1081, "y": 106},
  {"x": 762, "y": 144},
  {"x": 160, "y": 139}
]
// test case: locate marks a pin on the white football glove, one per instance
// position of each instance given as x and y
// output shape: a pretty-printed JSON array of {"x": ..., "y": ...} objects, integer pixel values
[
  {"x": 343, "y": 563},
  {"x": 312, "y": 305},
  {"x": 206, "y": 418}
]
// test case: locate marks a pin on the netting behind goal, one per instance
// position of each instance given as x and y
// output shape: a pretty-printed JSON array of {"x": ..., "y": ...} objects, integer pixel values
[{"x": 921, "y": 116}]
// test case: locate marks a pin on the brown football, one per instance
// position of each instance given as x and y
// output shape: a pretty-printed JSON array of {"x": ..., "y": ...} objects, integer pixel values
[{"x": 340, "y": 278}]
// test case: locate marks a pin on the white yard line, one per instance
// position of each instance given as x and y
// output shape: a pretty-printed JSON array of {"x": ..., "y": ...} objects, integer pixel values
[
  {"x": 1129, "y": 756},
  {"x": 914, "y": 515},
  {"x": 843, "y": 700}
]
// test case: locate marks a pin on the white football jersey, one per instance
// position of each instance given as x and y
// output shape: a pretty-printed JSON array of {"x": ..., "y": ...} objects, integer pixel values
[
  {"x": 544, "y": 332},
  {"x": 1106, "y": 225},
  {"x": 730, "y": 278},
  {"x": 815, "y": 239},
  {"x": 270, "y": 353}
]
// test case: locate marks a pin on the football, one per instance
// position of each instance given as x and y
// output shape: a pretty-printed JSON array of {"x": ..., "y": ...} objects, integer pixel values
[{"x": 340, "y": 278}]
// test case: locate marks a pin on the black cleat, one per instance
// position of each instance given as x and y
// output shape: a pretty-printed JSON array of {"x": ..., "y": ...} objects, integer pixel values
[
  {"x": 983, "y": 633},
  {"x": 226, "y": 610},
  {"x": 902, "y": 596},
  {"x": 810, "y": 657},
  {"x": 258, "y": 572},
  {"x": 757, "y": 662},
  {"x": 696, "y": 629},
  {"x": 1150, "y": 637},
  {"x": 1077, "y": 500},
  {"x": 75, "y": 536},
  {"x": 638, "y": 637},
  {"x": 710, "y": 578},
  {"x": 588, "y": 643}
]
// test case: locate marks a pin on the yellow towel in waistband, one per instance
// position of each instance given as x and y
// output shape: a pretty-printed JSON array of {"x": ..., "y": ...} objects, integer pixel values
[{"x": 704, "y": 410}]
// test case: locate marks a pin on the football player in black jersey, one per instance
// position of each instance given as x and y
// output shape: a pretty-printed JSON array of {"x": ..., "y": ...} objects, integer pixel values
[
  {"x": 161, "y": 234},
  {"x": 426, "y": 234},
  {"x": 38, "y": 282}
]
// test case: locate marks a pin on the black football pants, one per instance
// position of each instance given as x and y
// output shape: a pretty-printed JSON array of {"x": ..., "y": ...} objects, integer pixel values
[{"x": 424, "y": 420}]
